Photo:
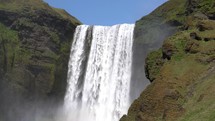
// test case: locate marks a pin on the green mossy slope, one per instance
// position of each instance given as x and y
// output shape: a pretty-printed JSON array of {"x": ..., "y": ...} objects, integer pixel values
[
  {"x": 150, "y": 32},
  {"x": 35, "y": 42},
  {"x": 182, "y": 71}
]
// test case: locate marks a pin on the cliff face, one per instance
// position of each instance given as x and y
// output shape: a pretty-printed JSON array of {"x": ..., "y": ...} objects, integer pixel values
[
  {"x": 35, "y": 44},
  {"x": 150, "y": 32},
  {"x": 182, "y": 70}
]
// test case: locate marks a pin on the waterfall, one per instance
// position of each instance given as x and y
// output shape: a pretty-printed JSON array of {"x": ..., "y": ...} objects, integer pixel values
[{"x": 99, "y": 73}]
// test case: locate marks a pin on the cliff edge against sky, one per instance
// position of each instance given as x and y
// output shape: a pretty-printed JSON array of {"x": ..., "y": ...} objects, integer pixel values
[
  {"x": 35, "y": 44},
  {"x": 182, "y": 70}
]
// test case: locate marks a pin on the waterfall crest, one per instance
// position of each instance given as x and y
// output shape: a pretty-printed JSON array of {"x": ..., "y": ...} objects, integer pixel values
[{"x": 99, "y": 73}]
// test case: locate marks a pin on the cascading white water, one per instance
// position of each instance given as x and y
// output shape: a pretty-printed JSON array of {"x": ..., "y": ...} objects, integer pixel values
[{"x": 99, "y": 73}]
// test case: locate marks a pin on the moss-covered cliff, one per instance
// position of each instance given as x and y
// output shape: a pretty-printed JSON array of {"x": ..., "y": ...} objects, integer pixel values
[
  {"x": 182, "y": 71},
  {"x": 35, "y": 44},
  {"x": 150, "y": 32}
]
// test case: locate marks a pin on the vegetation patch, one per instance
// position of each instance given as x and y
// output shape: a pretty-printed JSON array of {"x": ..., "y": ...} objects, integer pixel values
[{"x": 9, "y": 46}]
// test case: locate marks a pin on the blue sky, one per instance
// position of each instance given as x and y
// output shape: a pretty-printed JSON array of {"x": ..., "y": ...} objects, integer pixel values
[{"x": 107, "y": 12}]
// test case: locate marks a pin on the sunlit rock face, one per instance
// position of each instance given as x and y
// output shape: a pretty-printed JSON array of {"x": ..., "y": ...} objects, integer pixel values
[{"x": 99, "y": 74}]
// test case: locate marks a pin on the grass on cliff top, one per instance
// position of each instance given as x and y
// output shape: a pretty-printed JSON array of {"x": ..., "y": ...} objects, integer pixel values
[
  {"x": 66, "y": 15},
  {"x": 154, "y": 26},
  {"x": 31, "y": 6},
  {"x": 163, "y": 21},
  {"x": 169, "y": 10},
  {"x": 14, "y": 5},
  {"x": 172, "y": 10}
]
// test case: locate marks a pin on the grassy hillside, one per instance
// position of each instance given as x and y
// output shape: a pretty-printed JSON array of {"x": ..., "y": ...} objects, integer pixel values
[
  {"x": 35, "y": 42},
  {"x": 182, "y": 70},
  {"x": 31, "y": 6}
]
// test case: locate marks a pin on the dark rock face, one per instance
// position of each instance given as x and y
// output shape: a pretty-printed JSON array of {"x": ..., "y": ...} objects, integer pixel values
[{"x": 34, "y": 53}]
